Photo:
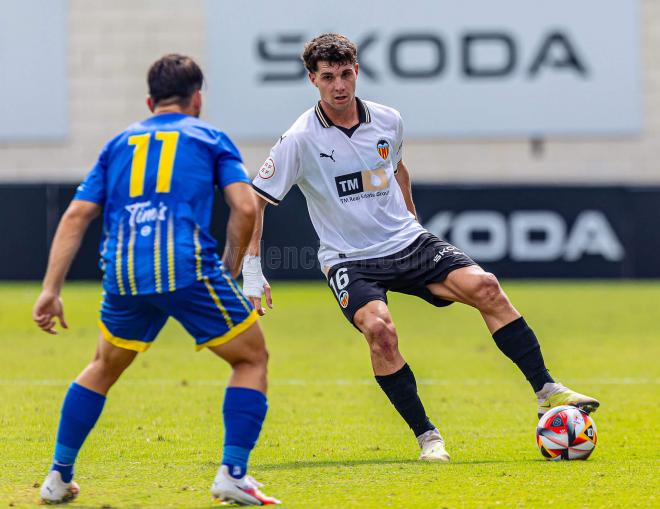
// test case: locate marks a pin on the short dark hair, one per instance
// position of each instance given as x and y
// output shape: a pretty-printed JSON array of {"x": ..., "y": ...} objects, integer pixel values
[
  {"x": 173, "y": 79},
  {"x": 329, "y": 47}
]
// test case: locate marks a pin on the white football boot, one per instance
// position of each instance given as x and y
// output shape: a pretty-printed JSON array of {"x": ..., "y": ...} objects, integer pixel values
[
  {"x": 433, "y": 447},
  {"x": 555, "y": 394},
  {"x": 243, "y": 491},
  {"x": 55, "y": 491}
]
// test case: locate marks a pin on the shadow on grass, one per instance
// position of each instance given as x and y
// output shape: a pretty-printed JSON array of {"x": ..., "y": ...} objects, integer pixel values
[
  {"x": 294, "y": 465},
  {"x": 211, "y": 505}
]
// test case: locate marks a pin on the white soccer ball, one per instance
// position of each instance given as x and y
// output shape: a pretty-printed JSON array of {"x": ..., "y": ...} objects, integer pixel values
[{"x": 566, "y": 433}]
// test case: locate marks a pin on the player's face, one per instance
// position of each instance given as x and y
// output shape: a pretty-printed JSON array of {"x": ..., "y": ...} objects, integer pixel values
[{"x": 336, "y": 84}]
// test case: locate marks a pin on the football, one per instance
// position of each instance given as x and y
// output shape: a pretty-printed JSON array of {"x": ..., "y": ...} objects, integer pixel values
[{"x": 566, "y": 433}]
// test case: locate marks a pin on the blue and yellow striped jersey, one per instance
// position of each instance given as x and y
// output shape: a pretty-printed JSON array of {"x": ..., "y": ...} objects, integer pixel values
[{"x": 156, "y": 183}]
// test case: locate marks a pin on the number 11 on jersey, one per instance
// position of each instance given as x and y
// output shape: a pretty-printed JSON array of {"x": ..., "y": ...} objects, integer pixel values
[{"x": 170, "y": 140}]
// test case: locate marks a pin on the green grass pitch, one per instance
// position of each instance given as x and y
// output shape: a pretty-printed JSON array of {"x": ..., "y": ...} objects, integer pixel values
[{"x": 331, "y": 439}]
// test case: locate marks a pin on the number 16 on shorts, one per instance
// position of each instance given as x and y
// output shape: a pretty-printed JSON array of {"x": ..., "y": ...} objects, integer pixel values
[{"x": 338, "y": 282}]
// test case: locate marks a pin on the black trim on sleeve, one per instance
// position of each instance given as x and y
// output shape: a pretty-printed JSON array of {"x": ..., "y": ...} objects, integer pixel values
[{"x": 266, "y": 196}]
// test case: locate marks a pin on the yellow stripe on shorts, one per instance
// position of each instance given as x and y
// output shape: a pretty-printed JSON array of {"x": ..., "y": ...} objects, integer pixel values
[
  {"x": 157, "y": 275},
  {"x": 118, "y": 260},
  {"x": 218, "y": 302},
  {"x": 237, "y": 292}
]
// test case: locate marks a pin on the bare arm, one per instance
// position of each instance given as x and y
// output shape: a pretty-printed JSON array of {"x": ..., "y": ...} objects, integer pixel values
[
  {"x": 254, "y": 249},
  {"x": 403, "y": 178},
  {"x": 252, "y": 267},
  {"x": 69, "y": 235},
  {"x": 243, "y": 212}
]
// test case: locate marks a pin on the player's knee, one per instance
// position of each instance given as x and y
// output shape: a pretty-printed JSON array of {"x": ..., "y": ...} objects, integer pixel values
[
  {"x": 261, "y": 357},
  {"x": 488, "y": 292},
  {"x": 374, "y": 327},
  {"x": 255, "y": 358},
  {"x": 381, "y": 336}
]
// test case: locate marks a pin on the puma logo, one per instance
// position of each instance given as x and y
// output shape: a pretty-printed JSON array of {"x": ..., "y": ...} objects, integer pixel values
[{"x": 328, "y": 156}]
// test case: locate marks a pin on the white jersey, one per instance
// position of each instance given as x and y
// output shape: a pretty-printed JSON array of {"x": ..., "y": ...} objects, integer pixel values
[{"x": 354, "y": 200}]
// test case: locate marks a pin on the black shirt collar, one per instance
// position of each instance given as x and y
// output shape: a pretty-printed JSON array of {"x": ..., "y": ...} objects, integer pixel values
[{"x": 364, "y": 116}]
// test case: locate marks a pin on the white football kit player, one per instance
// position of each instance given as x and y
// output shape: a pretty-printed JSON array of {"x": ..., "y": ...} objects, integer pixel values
[
  {"x": 354, "y": 201},
  {"x": 370, "y": 242}
]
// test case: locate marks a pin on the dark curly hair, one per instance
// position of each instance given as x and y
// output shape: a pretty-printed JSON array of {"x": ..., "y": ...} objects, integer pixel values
[{"x": 329, "y": 47}]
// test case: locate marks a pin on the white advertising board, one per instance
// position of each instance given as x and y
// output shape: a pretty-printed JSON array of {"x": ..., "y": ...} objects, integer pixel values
[{"x": 477, "y": 68}]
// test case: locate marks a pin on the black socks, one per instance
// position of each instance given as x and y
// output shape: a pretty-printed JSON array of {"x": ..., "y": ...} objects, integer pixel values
[
  {"x": 518, "y": 342},
  {"x": 401, "y": 389}
]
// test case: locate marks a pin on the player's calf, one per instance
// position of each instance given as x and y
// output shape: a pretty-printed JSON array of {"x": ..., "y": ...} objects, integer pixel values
[
  {"x": 518, "y": 342},
  {"x": 401, "y": 389},
  {"x": 80, "y": 411},
  {"x": 252, "y": 371},
  {"x": 244, "y": 411},
  {"x": 109, "y": 362},
  {"x": 245, "y": 405}
]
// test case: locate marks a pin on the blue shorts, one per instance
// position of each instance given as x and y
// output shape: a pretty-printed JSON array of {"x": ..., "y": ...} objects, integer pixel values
[{"x": 213, "y": 311}]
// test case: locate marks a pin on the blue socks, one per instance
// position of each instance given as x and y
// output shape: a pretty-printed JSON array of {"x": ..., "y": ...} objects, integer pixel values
[
  {"x": 244, "y": 411},
  {"x": 80, "y": 411}
]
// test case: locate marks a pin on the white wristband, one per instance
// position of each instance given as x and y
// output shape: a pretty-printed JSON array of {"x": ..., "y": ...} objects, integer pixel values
[{"x": 253, "y": 277}]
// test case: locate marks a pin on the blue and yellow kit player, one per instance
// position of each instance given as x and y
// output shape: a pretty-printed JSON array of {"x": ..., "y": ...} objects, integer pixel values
[{"x": 155, "y": 183}]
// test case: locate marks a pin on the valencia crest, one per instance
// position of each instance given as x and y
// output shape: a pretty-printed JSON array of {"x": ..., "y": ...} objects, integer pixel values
[{"x": 383, "y": 148}]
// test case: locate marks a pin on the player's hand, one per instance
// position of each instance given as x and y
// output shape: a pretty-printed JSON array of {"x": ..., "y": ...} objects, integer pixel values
[
  {"x": 255, "y": 284},
  {"x": 256, "y": 301},
  {"x": 48, "y": 307}
]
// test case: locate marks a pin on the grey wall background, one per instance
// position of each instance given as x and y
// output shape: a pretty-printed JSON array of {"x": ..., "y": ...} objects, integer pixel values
[
  {"x": 527, "y": 193},
  {"x": 111, "y": 44}
]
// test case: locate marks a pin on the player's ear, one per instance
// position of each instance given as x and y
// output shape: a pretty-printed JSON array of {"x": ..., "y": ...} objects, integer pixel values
[
  {"x": 357, "y": 69},
  {"x": 312, "y": 78},
  {"x": 150, "y": 104},
  {"x": 197, "y": 100}
]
